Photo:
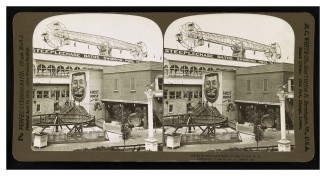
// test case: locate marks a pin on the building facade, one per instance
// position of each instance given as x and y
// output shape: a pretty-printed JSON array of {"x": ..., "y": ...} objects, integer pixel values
[
  {"x": 184, "y": 80},
  {"x": 124, "y": 86},
  {"x": 107, "y": 81},
  {"x": 257, "y": 87},
  {"x": 241, "y": 84}
]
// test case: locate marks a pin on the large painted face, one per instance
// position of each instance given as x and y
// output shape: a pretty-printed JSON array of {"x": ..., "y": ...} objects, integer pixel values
[
  {"x": 211, "y": 87},
  {"x": 78, "y": 86}
]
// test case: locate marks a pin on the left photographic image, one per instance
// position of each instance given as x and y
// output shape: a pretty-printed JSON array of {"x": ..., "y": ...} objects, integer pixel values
[{"x": 97, "y": 83}]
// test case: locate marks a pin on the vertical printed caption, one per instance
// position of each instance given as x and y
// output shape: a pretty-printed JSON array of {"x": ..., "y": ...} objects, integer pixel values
[
  {"x": 23, "y": 84},
  {"x": 303, "y": 88}
]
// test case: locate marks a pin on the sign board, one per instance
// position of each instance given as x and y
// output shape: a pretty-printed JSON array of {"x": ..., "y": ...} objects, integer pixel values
[
  {"x": 81, "y": 55},
  {"x": 214, "y": 56}
]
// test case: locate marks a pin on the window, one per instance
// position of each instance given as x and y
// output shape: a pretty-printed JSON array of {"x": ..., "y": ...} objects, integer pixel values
[
  {"x": 292, "y": 85},
  {"x": 165, "y": 94},
  {"x": 63, "y": 94},
  {"x": 200, "y": 94},
  {"x": 52, "y": 93},
  {"x": 68, "y": 70},
  {"x": 265, "y": 84},
  {"x": 61, "y": 71},
  {"x": 38, "y": 108},
  {"x": 201, "y": 70},
  {"x": 46, "y": 94},
  {"x": 132, "y": 84},
  {"x": 51, "y": 70},
  {"x": 190, "y": 93},
  {"x": 56, "y": 106},
  {"x": 166, "y": 70},
  {"x": 170, "y": 108},
  {"x": 77, "y": 68},
  {"x": 67, "y": 93},
  {"x": 172, "y": 94},
  {"x": 196, "y": 94},
  {"x": 185, "y": 94},
  {"x": 39, "y": 94},
  {"x": 210, "y": 69},
  {"x": 173, "y": 70},
  {"x": 178, "y": 95},
  {"x": 57, "y": 94},
  {"x": 248, "y": 85},
  {"x": 160, "y": 83},
  {"x": 33, "y": 93},
  {"x": 41, "y": 70},
  {"x": 193, "y": 71},
  {"x": 116, "y": 85},
  {"x": 184, "y": 70}
]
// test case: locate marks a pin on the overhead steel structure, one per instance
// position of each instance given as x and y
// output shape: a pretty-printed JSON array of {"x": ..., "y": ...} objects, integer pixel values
[
  {"x": 57, "y": 35},
  {"x": 191, "y": 36}
]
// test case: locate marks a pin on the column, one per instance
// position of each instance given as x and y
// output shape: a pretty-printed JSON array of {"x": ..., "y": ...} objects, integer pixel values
[
  {"x": 283, "y": 144},
  {"x": 145, "y": 126},
  {"x": 150, "y": 117},
  {"x": 151, "y": 144}
]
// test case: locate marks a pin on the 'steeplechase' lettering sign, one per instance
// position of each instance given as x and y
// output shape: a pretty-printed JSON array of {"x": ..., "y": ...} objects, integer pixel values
[
  {"x": 214, "y": 56},
  {"x": 81, "y": 55}
]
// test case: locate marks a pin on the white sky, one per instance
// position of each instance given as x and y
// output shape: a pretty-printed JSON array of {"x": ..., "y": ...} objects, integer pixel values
[
  {"x": 259, "y": 28},
  {"x": 128, "y": 28}
]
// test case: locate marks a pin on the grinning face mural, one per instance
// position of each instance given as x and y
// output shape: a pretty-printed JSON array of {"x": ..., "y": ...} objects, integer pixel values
[
  {"x": 78, "y": 86},
  {"x": 211, "y": 87}
]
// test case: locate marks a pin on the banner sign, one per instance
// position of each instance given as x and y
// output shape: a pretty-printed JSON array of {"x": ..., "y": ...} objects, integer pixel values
[
  {"x": 214, "y": 56},
  {"x": 227, "y": 95},
  {"x": 81, "y": 55},
  {"x": 93, "y": 94}
]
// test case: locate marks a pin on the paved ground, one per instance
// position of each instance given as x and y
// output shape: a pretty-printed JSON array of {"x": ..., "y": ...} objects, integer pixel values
[
  {"x": 138, "y": 136},
  {"x": 270, "y": 138}
]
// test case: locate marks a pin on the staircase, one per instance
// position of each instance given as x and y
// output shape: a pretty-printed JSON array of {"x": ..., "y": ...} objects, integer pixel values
[{"x": 158, "y": 114}]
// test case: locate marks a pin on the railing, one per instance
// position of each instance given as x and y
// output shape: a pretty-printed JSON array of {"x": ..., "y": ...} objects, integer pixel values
[
  {"x": 189, "y": 139},
  {"x": 91, "y": 136},
  {"x": 51, "y": 76},
  {"x": 209, "y": 138},
  {"x": 67, "y": 119},
  {"x": 265, "y": 148},
  {"x": 130, "y": 148},
  {"x": 197, "y": 120},
  {"x": 176, "y": 75},
  {"x": 135, "y": 147}
]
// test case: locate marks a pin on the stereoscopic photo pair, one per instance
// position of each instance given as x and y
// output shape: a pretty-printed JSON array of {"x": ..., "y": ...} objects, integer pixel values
[{"x": 116, "y": 82}]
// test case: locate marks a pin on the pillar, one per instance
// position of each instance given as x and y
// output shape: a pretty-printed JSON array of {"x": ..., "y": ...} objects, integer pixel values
[
  {"x": 150, "y": 118},
  {"x": 283, "y": 144},
  {"x": 145, "y": 126},
  {"x": 151, "y": 144}
]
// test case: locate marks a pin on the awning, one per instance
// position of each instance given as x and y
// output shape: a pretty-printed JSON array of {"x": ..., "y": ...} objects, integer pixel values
[
  {"x": 257, "y": 102},
  {"x": 124, "y": 101}
]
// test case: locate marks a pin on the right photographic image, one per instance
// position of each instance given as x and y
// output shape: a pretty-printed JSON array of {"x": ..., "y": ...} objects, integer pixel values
[{"x": 228, "y": 84}]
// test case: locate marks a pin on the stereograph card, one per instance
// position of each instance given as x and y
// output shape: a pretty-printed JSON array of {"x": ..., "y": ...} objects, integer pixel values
[{"x": 164, "y": 86}]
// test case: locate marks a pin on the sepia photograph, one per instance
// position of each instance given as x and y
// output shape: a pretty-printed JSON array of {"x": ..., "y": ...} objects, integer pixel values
[
  {"x": 97, "y": 83},
  {"x": 228, "y": 84},
  {"x": 142, "y": 85}
]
